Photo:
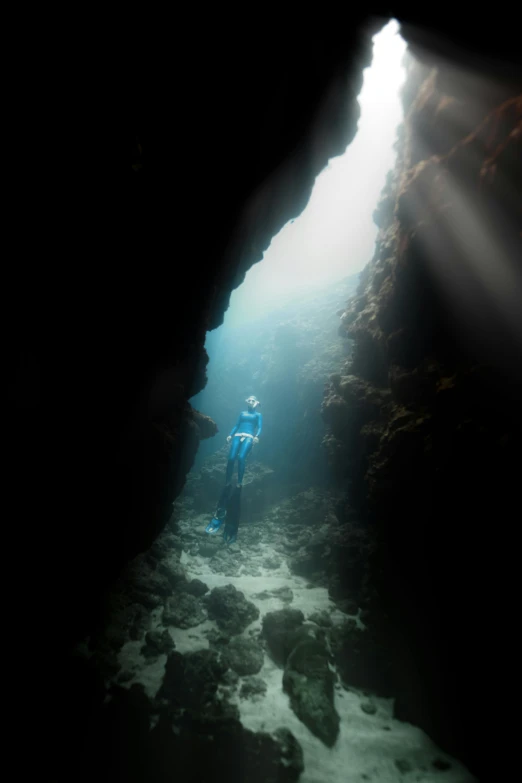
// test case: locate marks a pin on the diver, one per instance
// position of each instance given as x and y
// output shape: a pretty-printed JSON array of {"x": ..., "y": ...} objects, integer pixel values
[{"x": 243, "y": 436}]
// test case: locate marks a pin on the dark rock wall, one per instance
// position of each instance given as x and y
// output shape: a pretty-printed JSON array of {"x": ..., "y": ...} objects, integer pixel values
[
  {"x": 424, "y": 424},
  {"x": 109, "y": 341}
]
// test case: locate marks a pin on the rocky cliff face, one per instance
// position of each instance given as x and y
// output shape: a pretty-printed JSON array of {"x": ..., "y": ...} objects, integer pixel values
[{"x": 424, "y": 423}]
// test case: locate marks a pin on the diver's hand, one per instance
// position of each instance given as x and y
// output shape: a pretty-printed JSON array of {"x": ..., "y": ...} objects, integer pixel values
[
  {"x": 229, "y": 438},
  {"x": 256, "y": 440}
]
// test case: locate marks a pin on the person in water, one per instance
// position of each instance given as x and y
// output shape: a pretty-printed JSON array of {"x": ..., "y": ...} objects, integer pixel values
[{"x": 243, "y": 436}]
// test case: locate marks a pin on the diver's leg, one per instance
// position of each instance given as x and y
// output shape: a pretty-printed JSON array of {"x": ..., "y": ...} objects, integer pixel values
[
  {"x": 232, "y": 520},
  {"x": 232, "y": 454},
  {"x": 243, "y": 454}
]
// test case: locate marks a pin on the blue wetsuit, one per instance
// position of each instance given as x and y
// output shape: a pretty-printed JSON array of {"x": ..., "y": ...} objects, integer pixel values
[{"x": 242, "y": 439}]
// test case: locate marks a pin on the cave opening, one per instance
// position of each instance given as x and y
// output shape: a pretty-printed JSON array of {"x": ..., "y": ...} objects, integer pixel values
[
  {"x": 333, "y": 636},
  {"x": 315, "y": 258},
  {"x": 280, "y": 341}
]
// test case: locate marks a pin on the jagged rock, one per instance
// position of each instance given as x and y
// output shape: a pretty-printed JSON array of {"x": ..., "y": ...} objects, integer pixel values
[
  {"x": 206, "y": 426},
  {"x": 144, "y": 580},
  {"x": 191, "y": 680},
  {"x": 125, "y": 621},
  {"x": 149, "y": 600},
  {"x": 183, "y": 611},
  {"x": 311, "y": 558},
  {"x": 304, "y": 509},
  {"x": 322, "y": 619},
  {"x": 157, "y": 643},
  {"x": 244, "y": 656},
  {"x": 309, "y": 682},
  {"x": 253, "y": 688},
  {"x": 217, "y": 639},
  {"x": 174, "y": 572},
  {"x": 227, "y": 561},
  {"x": 230, "y": 609},
  {"x": 230, "y": 678},
  {"x": 196, "y": 587},
  {"x": 424, "y": 333},
  {"x": 220, "y": 711},
  {"x": 166, "y": 545},
  {"x": 279, "y": 630},
  {"x": 291, "y": 753},
  {"x": 144, "y": 585}
]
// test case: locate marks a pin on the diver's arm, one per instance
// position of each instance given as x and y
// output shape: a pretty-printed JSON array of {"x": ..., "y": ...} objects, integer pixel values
[
  {"x": 259, "y": 426},
  {"x": 235, "y": 429}
]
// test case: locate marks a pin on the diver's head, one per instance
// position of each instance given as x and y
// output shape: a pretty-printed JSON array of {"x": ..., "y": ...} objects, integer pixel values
[{"x": 252, "y": 402}]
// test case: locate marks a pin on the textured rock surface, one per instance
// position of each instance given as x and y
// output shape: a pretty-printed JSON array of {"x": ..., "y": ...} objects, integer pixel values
[
  {"x": 184, "y": 611},
  {"x": 157, "y": 643},
  {"x": 279, "y": 630},
  {"x": 192, "y": 680},
  {"x": 252, "y": 688},
  {"x": 306, "y": 679},
  {"x": 244, "y": 656},
  {"x": 309, "y": 682},
  {"x": 422, "y": 425},
  {"x": 230, "y": 609}
]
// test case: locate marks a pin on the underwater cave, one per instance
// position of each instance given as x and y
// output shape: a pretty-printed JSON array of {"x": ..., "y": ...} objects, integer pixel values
[{"x": 318, "y": 229}]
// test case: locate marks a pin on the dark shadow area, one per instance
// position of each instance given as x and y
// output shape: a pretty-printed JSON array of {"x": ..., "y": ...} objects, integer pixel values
[{"x": 109, "y": 298}]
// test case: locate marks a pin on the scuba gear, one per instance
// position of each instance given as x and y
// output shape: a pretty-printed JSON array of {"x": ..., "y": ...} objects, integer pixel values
[{"x": 216, "y": 521}]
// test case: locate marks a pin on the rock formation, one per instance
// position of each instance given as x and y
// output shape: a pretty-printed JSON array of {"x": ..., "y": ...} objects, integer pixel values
[{"x": 424, "y": 425}]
